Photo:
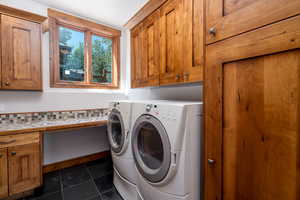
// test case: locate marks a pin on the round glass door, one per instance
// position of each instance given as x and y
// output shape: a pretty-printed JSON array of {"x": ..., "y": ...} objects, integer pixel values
[
  {"x": 151, "y": 148},
  {"x": 116, "y": 132}
]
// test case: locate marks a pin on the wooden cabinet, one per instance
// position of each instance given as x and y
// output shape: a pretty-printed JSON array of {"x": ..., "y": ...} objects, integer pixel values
[
  {"x": 21, "y": 54},
  {"x": 252, "y": 100},
  {"x": 193, "y": 41},
  {"x": 145, "y": 54},
  {"x": 171, "y": 29},
  {"x": 3, "y": 174},
  {"x": 168, "y": 46},
  {"x": 24, "y": 168},
  {"x": 20, "y": 166},
  {"x": 20, "y": 50},
  {"x": 150, "y": 53},
  {"x": 227, "y": 18},
  {"x": 136, "y": 56}
]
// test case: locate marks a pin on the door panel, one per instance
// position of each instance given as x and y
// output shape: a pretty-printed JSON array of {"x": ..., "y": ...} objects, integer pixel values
[
  {"x": 24, "y": 168},
  {"x": 232, "y": 17},
  {"x": 260, "y": 127},
  {"x": 3, "y": 173},
  {"x": 136, "y": 56},
  {"x": 193, "y": 43},
  {"x": 150, "y": 52},
  {"x": 21, "y": 63},
  {"x": 252, "y": 114},
  {"x": 171, "y": 57}
]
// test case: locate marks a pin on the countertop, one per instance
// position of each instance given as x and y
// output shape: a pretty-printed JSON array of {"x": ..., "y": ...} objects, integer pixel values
[{"x": 53, "y": 125}]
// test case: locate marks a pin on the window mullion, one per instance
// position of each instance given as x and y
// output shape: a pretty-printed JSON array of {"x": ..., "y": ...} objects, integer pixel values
[{"x": 88, "y": 57}]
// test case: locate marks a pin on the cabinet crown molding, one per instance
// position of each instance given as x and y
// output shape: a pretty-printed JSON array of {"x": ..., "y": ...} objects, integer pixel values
[{"x": 22, "y": 14}]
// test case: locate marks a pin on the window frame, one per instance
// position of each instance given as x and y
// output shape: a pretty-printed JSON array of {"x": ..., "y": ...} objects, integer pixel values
[{"x": 89, "y": 28}]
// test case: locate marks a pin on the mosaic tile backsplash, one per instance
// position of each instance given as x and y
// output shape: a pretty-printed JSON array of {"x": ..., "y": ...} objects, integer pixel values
[{"x": 36, "y": 117}]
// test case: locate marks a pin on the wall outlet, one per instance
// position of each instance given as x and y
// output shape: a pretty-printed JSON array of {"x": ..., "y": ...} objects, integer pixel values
[{"x": 2, "y": 107}]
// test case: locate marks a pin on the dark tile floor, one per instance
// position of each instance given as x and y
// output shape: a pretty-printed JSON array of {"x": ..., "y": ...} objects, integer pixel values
[{"x": 91, "y": 181}]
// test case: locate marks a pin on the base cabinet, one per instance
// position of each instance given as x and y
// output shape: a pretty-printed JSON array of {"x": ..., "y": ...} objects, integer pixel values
[
  {"x": 252, "y": 84},
  {"x": 20, "y": 166},
  {"x": 3, "y": 174},
  {"x": 24, "y": 169}
]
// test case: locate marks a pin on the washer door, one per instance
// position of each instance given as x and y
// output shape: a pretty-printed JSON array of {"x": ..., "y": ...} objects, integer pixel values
[
  {"x": 151, "y": 148},
  {"x": 116, "y": 131}
]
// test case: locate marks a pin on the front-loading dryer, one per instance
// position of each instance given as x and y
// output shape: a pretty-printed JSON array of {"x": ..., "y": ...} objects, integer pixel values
[
  {"x": 166, "y": 144},
  {"x": 119, "y": 135}
]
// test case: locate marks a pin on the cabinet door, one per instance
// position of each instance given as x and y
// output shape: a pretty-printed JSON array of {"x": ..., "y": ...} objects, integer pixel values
[
  {"x": 193, "y": 43},
  {"x": 21, "y": 54},
  {"x": 226, "y": 18},
  {"x": 150, "y": 51},
  {"x": 24, "y": 168},
  {"x": 171, "y": 51},
  {"x": 3, "y": 174},
  {"x": 252, "y": 95},
  {"x": 136, "y": 56}
]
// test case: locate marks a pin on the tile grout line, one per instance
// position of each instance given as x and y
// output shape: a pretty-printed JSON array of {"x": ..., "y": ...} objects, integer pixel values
[
  {"x": 93, "y": 180},
  {"x": 61, "y": 185}
]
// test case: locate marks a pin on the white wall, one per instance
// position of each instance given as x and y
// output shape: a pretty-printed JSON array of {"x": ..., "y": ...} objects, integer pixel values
[{"x": 64, "y": 145}]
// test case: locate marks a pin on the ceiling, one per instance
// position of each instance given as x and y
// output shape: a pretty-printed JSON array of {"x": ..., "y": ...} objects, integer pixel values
[{"x": 113, "y": 12}]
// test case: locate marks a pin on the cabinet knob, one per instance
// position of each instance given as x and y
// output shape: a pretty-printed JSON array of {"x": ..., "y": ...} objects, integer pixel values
[
  {"x": 211, "y": 161},
  {"x": 6, "y": 83},
  {"x": 177, "y": 77},
  {"x": 13, "y": 153},
  {"x": 212, "y": 31}
]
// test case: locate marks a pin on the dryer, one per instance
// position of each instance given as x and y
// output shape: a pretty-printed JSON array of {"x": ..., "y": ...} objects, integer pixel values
[
  {"x": 166, "y": 145},
  {"x": 119, "y": 135}
]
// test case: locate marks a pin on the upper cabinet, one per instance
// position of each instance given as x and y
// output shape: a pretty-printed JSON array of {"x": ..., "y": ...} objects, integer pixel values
[
  {"x": 145, "y": 57},
  {"x": 171, "y": 58},
  {"x": 227, "y": 18},
  {"x": 167, "y": 47},
  {"x": 20, "y": 50}
]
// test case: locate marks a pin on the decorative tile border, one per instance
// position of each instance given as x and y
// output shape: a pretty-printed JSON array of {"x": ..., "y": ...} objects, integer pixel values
[{"x": 36, "y": 117}]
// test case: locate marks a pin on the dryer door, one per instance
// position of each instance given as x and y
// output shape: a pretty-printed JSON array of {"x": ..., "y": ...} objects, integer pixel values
[
  {"x": 151, "y": 148},
  {"x": 116, "y": 131}
]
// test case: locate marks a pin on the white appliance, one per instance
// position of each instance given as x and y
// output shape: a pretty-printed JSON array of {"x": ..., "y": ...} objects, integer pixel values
[
  {"x": 166, "y": 144},
  {"x": 119, "y": 135}
]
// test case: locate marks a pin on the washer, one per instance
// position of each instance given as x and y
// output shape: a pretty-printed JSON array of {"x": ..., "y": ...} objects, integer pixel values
[
  {"x": 119, "y": 135},
  {"x": 166, "y": 145}
]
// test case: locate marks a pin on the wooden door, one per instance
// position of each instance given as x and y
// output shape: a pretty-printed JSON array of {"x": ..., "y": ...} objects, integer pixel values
[
  {"x": 150, "y": 51},
  {"x": 171, "y": 38},
  {"x": 252, "y": 114},
  {"x": 136, "y": 56},
  {"x": 226, "y": 18},
  {"x": 21, "y": 54},
  {"x": 24, "y": 167},
  {"x": 193, "y": 43},
  {"x": 3, "y": 174}
]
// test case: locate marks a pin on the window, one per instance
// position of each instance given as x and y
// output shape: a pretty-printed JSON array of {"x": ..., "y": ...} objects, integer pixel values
[{"x": 83, "y": 54}]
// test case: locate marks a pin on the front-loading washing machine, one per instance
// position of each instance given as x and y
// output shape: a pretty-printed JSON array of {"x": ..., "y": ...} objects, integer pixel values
[
  {"x": 119, "y": 135},
  {"x": 166, "y": 144}
]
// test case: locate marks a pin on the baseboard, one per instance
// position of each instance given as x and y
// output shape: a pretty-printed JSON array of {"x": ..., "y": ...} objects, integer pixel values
[{"x": 74, "y": 161}]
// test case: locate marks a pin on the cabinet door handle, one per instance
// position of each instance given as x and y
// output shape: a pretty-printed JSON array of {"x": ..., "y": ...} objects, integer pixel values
[
  {"x": 186, "y": 76},
  {"x": 177, "y": 77},
  {"x": 13, "y": 153},
  {"x": 1, "y": 155},
  {"x": 211, "y": 161},
  {"x": 8, "y": 142},
  {"x": 212, "y": 31},
  {"x": 6, "y": 83}
]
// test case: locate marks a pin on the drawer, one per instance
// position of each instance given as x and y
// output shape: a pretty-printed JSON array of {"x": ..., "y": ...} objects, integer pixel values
[{"x": 19, "y": 139}]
